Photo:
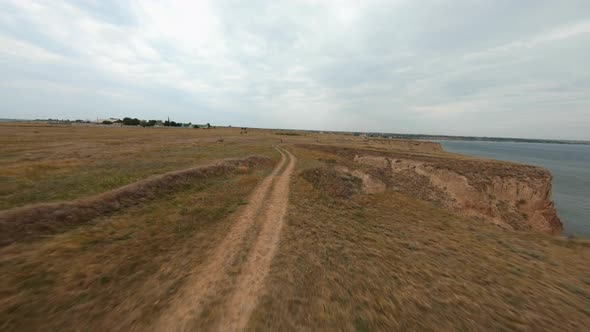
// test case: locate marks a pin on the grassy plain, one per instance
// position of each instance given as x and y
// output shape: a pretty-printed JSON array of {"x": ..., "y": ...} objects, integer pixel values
[
  {"x": 44, "y": 163},
  {"x": 390, "y": 262},
  {"x": 383, "y": 261}
]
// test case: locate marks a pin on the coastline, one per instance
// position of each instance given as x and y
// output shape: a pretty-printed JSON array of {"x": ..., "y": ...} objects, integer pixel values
[{"x": 566, "y": 163}]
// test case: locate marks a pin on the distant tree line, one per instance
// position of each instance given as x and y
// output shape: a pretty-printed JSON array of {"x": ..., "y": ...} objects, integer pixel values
[
  {"x": 168, "y": 123},
  {"x": 150, "y": 123}
]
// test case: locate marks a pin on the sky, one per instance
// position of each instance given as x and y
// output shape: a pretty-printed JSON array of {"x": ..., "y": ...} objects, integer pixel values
[{"x": 484, "y": 68}]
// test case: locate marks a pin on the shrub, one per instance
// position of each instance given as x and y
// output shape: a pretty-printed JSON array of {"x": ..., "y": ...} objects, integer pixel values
[{"x": 131, "y": 122}]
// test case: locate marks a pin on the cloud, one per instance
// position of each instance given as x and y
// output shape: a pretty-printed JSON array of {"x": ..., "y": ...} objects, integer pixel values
[
  {"x": 495, "y": 68},
  {"x": 25, "y": 51},
  {"x": 555, "y": 35}
]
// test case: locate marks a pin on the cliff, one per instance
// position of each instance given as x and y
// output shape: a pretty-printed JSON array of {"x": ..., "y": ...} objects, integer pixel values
[
  {"x": 509, "y": 195},
  {"x": 407, "y": 145}
]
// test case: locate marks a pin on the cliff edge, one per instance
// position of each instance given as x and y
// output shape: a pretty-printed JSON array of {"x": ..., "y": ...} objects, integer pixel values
[{"x": 510, "y": 195}]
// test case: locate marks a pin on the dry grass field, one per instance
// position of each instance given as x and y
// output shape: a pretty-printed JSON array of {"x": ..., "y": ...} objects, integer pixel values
[
  {"x": 388, "y": 261},
  {"x": 295, "y": 239}
]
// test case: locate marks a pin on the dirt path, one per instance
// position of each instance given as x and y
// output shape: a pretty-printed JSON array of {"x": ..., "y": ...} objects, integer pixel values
[
  {"x": 267, "y": 206},
  {"x": 251, "y": 280}
]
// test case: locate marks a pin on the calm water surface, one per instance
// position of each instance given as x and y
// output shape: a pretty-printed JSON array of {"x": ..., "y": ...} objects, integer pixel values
[{"x": 569, "y": 164}]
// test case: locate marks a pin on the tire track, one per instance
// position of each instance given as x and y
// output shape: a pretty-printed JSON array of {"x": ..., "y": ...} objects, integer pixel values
[
  {"x": 204, "y": 284},
  {"x": 250, "y": 282}
]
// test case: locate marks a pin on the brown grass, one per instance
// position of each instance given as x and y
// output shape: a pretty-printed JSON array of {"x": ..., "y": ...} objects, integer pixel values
[
  {"x": 118, "y": 272},
  {"x": 332, "y": 182},
  {"x": 62, "y": 163},
  {"x": 390, "y": 262},
  {"x": 346, "y": 260},
  {"x": 44, "y": 219}
]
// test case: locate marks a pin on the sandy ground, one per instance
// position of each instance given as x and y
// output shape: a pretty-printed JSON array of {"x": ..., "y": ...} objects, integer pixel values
[{"x": 266, "y": 209}]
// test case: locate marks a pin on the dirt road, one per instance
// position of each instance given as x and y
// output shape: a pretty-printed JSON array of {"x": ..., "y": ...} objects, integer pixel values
[{"x": 217, "y": 283}]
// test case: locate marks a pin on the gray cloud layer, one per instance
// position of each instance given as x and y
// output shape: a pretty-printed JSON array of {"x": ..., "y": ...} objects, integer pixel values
[{"x": 496, "y": 68}]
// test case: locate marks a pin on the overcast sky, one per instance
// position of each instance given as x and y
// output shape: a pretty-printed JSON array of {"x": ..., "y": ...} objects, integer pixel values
[{"x": 474, "y": 67}]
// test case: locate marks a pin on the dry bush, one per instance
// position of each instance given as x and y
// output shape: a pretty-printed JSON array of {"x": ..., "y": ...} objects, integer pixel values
[{"x": 332, "y": 182}]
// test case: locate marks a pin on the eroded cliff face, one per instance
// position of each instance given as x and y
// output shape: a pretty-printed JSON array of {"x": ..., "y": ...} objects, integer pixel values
[
  {"x": 408, "y": 145},
  {"x": 513, "y": 196},
  {"x": 521, "y": 201}
]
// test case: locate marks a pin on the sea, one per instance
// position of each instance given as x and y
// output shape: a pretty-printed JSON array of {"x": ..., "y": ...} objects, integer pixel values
[{"x": 569, "y": 164}]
